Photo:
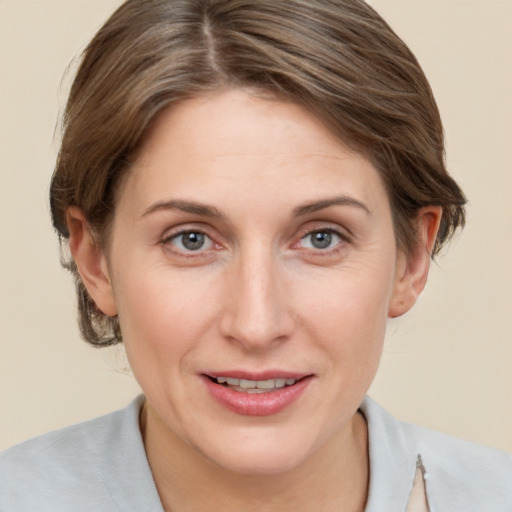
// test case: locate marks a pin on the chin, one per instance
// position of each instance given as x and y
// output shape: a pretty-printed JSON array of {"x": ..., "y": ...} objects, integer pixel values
[
  {"x": 263, "y": 454},
  {"x": 262, "y": 464}
]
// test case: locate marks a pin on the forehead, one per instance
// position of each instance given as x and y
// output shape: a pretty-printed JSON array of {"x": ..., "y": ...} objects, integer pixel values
[
  {"x": 242, "y": 121},
  {"x": 238, "y": 145}
]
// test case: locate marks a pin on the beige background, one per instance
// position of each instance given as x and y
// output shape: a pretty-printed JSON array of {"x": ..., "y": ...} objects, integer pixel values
[{"x": 447, "y": 365}]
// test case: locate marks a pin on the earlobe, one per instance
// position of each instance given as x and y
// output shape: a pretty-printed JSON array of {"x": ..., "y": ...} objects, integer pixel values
[
  {"x": 90, "y": 261},
  {"x": 412, "y": 268}
]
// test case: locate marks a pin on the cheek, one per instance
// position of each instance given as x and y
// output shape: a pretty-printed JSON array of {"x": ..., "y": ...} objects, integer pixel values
[
  {"x": 351, "y": 302},
  {"x": 346, "y": 314},
  {"x": 159, "y": 311}
]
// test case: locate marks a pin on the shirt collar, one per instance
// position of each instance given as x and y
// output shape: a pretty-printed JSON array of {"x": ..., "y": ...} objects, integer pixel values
[
  {"x": 125, "y": 470},
  {"x": 392, "y": 461}
]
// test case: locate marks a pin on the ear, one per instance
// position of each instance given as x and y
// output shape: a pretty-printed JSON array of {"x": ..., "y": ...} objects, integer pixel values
[
  {"x": 90, "y": 261},
  {"x": 412, "y": 268}
]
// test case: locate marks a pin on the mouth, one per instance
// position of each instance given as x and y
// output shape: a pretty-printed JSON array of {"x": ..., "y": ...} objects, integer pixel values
[
  {"x": 261, "y": 394},
  {"x": 254, "y": 386}
]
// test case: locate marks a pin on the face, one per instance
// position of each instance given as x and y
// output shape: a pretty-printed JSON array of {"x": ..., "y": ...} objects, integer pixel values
[{"x": 253, "y": 263}]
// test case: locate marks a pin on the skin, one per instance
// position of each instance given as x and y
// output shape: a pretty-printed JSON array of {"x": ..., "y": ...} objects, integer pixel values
[{"x": 257, "y": 296}]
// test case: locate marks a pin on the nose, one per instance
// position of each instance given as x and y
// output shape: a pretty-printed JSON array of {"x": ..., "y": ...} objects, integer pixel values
[{"x": 257, "y": 314}]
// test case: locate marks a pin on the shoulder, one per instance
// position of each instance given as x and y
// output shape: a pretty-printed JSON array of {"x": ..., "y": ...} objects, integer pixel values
[
  {"x": 463, "y": 472},
  {"x": 76, "y": 468},
  {"x": 459, "y": 475}
]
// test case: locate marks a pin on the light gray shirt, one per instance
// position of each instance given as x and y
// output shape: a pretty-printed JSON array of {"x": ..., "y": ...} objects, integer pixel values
[{"x": 101, "y": 465}]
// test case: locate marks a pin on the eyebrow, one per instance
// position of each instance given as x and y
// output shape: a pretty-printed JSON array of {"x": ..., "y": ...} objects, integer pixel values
[
  {"x": 185, "y": 206},
  {"x": 205, "y": 210},
  {"x": 326, "y": 203}
]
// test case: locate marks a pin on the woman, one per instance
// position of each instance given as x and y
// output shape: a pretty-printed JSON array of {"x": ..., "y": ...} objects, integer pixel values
[{"x": 249, "y": 190}]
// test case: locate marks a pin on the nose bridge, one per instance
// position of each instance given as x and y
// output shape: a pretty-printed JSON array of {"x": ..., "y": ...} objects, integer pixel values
[{"x": 258, "y": 313}]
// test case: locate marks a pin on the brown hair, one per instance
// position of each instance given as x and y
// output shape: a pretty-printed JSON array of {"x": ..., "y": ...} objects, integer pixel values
[{"x": 338, "y": 58}]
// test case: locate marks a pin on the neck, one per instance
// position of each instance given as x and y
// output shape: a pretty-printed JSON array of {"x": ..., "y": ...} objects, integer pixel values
[{"x": 333, "y": 478}]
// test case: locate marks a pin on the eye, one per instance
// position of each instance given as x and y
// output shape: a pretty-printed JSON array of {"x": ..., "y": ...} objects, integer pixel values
[
  {"x": 190, "y": 241},
  {"x": 321, "y": 239}
]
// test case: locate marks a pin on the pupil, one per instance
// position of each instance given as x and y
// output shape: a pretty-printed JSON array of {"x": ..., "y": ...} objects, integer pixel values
[
  {"x": 193, "y": 241},
  {"x": 321, "y": 240}
]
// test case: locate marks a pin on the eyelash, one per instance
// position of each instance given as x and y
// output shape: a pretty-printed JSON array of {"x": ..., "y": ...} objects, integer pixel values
[
  {"x": 167, "y": 241},
  {"x": 342, "y": 239}
]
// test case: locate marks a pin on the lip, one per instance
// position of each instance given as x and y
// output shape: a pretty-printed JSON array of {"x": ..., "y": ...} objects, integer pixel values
[
  {"x": 262, "y": 375},
  {"x": 261, "y": 404}
]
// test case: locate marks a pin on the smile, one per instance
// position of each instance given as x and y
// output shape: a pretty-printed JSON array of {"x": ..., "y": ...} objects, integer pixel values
[
  {"x": 254, "y": 386},
  {"x": 259, "y": 395}
]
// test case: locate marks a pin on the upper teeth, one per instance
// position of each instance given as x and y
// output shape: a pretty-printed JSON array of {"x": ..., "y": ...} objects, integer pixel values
[{"x": 260, "y": 384}]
